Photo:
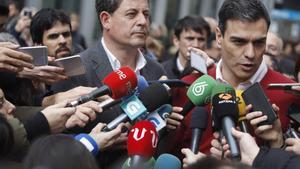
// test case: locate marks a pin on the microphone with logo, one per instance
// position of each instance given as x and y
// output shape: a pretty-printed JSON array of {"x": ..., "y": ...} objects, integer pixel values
[
  {"x": 141, "y": 85},
  {"x": 134, "y": 107},
  {"x": 198, "y": 124},
  {"x": 158, "y": 117},
  {"x": 242, "y": 114},
  {"x": 141, "y": 145},
  {"x": 199, "y": 93},
  {"x": 116, "y": 84},
  {"x": 168, "y": 161},
  {"x": 225, "y": 112}
]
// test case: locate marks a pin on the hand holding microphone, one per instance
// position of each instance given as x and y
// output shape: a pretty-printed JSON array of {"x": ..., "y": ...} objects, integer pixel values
[
  {"x": 117, "y": 84},
  {"x": 225, "y": 115}
]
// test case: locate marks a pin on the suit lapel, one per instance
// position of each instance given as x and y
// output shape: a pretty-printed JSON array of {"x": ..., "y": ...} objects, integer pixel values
[{"x": 100, "y": 62}]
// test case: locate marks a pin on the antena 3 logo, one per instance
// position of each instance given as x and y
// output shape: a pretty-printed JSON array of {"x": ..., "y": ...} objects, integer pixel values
[
  {"x": 226, "y": 98},
  {"x": 199, "y": 88}
]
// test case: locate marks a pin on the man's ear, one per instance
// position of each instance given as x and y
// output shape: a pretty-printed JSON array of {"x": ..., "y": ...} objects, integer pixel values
[
  {"x": 104, "y": 18},
  {"x": 176, "y": 42},
  {"x": 219, "y": 37}
]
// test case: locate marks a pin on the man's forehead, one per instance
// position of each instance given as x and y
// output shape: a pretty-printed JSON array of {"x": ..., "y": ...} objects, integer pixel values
[
  {"x": 237, "y": 28},
  {"x": 58, "y": 28},
  {"x": 134, "y": 4}
]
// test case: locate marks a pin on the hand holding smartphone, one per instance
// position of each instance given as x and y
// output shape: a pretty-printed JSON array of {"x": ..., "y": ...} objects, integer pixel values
[
  {"x": 255, "y": 95},
  {"x": 198, "y": 63},
  {"x": 72, "y": 65},
  {"x": 38, "y": 53}
]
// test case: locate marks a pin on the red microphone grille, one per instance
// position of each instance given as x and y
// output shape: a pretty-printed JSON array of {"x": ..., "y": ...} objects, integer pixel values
[
  {"x": 121, "y": 82},
  {"x": 142, "y": 139}
]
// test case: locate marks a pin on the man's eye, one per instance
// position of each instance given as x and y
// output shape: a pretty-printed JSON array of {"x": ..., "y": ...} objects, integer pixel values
[{"x": 53, "y": 36}]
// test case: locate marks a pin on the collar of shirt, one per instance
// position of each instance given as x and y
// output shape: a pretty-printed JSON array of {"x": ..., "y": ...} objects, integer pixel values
[
  {"x": 115, "y": 63},
  {"x": 257, "y": 77},
  {"x": 179, "y": 65}
]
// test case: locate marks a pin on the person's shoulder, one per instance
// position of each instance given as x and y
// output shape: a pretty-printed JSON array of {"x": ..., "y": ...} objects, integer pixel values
[
  {"x": 94, "y": 49},
  {"x": 276, "y": 77},
  {"x": 168, "y": 62}
]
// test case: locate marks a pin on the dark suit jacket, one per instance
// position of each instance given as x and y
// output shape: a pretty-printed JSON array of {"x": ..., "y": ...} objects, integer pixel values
[{"x": 97, "y": 67}]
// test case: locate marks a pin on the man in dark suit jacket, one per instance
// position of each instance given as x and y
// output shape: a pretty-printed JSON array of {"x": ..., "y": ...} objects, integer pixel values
[{"x": 124, "y": 27}]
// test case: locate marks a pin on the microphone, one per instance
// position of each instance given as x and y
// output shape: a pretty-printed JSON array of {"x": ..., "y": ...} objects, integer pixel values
[
  {"x": 198, "y": 124},
  {"x": 225, "y": 112},
  {"x": 167, "y": 161},
  {"x": 147, "y": 165},
  {"x": 242, "y": 114},
  {"x": 171, "y": 82},
  {"x": 141, "y": 85},
  {"x": 116, "y": 84},
  {"x": 159, "y": 116},
  {"x": 141, "y": 143},
  {"x": 199, "y": 93},
  {"x": 134, "y": 106}
]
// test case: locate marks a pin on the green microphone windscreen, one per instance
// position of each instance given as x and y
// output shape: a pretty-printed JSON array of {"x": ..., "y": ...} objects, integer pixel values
[
  {"x": 199, "y": 92},
  {"x": 222, "y": 88}
]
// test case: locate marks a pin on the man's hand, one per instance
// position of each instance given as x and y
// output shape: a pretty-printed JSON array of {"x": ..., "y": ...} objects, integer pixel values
[
  {"x": 175, "y": 118},
  {"x": 247, "y": 144},
  {"x": 105, "y": 139},
  {"x": 270, "y": 133},
  {"x": 190, "y": 157},
  {"x": 293, "y": 145},
  {"x": 46, "y": 74},
  {"x": 208, "y": 61},
  {"x": 57, "y": 116},
  {"x": 12, "y": 60},
  {"x": 84, "y": 114},
  {"x": 69, "y": 95}
]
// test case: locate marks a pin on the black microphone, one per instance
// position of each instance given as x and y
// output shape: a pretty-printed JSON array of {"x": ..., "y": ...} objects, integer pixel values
[
  {"x": 171, "y": 82},
  {"x": 149, "y": 99},
  {"x": 225, "y": 112},
  {"x": 198, "y": 124}
]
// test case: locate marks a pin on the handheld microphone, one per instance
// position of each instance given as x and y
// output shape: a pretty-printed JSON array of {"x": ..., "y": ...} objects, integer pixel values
[
  {"x": 133, "y": 107},
  {"x": 171, "y": 82},
  {"x": 159, "y": 116},
  {"x": 198, "y": 124},
  {"x": 141, "y": 143},
  {"x": 225, "y": 112},
  {"x": 199, "y": 93},
  {"x": 242, "y": 114},
  {"x": 167, "y": 161},
  {"x": 116, "y": 84},
  {"x": 141, "y": 85}
]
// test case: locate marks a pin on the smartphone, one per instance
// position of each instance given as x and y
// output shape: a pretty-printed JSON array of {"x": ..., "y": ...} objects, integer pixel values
[
  {"x": 294, "y": 113},
  {"x": 255, "y": 95},
  {"x": 28, "y": 13},
  {"x": 198, "y": 63},
  {"x": 39, "y": 54},
  {"x": 72, "y": 65},
  {"x": 282, "y": 86}
]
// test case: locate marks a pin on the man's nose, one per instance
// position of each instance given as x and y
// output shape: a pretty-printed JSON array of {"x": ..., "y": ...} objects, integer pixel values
[
  {"x": 249, "y": 51},
  {"x": 62, "y": 39}
]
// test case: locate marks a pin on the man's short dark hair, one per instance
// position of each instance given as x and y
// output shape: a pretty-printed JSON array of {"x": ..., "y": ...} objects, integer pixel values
[
  {"x": 243, "y": 10},
  {"x": 195, "y": 23},
  {"x": 109, "y": 6},
  {"x": 44, "y": 20}
]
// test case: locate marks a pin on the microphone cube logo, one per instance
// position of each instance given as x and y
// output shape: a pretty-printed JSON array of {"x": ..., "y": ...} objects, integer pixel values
[
  {"x": 133, "y": 107},
  {"x": 157, "y": 121},
  {"x": 199, "y": 88}
]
